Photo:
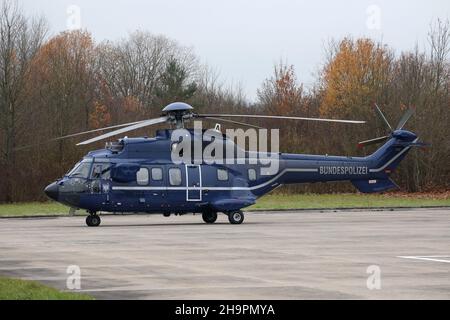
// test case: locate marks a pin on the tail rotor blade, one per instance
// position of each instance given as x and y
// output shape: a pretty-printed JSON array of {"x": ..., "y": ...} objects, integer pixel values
[
  {"x": 380, "y": 113},
  {"x": 405, "y": 117},
  {"x": 372, "y": 141}
]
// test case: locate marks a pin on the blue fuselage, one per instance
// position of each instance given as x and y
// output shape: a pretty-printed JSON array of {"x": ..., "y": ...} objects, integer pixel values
[{"x": 140, "y": 177}]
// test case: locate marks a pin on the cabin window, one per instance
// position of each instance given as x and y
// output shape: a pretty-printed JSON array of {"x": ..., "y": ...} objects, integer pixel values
[
  {"x": 142, "y": 177},
  {"x": 251, "y": 174},
  {"x": 222, "y": 174},
  {"x": 175, "y": 176},
  {"x": 157, "y": 174}
]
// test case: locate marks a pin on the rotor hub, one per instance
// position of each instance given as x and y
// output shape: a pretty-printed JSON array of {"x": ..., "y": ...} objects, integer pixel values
[{"x": 178, "y": 113}]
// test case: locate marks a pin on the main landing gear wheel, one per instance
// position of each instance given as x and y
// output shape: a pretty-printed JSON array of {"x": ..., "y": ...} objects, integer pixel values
[
  {"x": 236, "y": 217},
  {"x": 209, "y": 217},
  {"x": 93, "y": 220}
]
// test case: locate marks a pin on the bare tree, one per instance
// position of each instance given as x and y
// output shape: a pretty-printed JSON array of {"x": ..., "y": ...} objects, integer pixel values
[
  {"x": 20, "y": 38},
  {"x": 133, "y": 67}
]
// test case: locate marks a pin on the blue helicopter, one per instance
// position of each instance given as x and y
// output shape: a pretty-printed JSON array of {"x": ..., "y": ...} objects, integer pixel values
[{"x": 139, "y": 174}]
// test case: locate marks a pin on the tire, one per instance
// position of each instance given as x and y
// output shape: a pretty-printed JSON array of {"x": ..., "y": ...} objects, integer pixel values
[
  {"x": 209, "y": 217},
  {"x": 236, "y": 217},
  {"x": 93, "y": 220}
]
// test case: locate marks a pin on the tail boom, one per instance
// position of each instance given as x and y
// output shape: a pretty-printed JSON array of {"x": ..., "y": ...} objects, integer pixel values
[{"x": 368, "y": 174}]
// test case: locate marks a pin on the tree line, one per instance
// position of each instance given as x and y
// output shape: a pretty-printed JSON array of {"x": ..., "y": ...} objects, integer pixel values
[{"x": 53, "y": 86}]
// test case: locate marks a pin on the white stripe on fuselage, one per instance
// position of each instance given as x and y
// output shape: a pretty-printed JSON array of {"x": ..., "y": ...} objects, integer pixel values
[{"x": 393, "y": 159}]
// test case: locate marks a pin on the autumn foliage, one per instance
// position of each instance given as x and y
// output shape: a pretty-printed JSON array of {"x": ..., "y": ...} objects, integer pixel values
[
  {"x": 355, "y": 76},
  {"x": 54, "y": 86}
]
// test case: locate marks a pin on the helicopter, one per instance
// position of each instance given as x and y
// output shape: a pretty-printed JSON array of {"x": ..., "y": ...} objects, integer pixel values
[{"x": 138, "y": 175}]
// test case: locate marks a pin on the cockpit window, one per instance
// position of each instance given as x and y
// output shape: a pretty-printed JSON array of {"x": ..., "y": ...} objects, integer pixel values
[
  {"x": 73, "y": 169},
  {"x": 101, "y": 171},
  {"x": 80, "y": 171}
]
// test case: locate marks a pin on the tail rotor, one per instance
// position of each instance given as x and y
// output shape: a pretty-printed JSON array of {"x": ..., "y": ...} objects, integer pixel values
[{"x": 409, "y": 112}]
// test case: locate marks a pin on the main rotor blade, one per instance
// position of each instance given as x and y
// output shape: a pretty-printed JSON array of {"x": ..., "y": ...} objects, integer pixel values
[
  {"x": 279, "y": 117},
  {"x": 73, "y": 135},
  {"x": 231, "y": 121},
  {"x": 138, "y": 125},
  {"x": 372, "y": 141},
  {"x": 380, "y": 113},
  {"x": 96, "y": 130},
  {"x": 405, "y": 117}
]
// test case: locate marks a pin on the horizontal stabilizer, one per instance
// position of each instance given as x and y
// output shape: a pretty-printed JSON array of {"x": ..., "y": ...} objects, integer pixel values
[{"x": 374, "y": 185}]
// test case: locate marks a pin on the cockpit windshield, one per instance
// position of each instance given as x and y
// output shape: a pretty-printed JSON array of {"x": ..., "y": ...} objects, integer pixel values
[{"x": 81, "y": 170}]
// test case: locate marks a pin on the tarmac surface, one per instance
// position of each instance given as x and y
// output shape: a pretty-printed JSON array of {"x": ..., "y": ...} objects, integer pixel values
[{"x": 402, "y": 254}]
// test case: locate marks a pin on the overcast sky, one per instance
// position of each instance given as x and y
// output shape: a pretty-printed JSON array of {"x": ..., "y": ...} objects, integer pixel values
[{"x": 243, "y": 39}]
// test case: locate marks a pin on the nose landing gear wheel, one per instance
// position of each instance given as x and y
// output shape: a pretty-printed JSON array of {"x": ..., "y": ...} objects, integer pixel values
[
  {"x": 93, "y": 220},
  {"x": 236, "y": 217},
  {"x": 209, "y": 217}
]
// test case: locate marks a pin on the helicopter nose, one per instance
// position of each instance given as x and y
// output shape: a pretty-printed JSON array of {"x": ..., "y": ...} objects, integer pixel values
[{"x": 52, "y": 191}]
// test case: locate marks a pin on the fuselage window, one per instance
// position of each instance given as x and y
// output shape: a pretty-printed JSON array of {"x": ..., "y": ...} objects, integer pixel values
[
  {"x": 96, "y": 171},
  {"x": 175, "y": 176},
  {"x": 101, "y": 171},
  {"x": 157, "y": 174},
  {"x": 251, "y": 174},
  {"x": 222, "y": 175},
  {"x": 142, "y": 177}
]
